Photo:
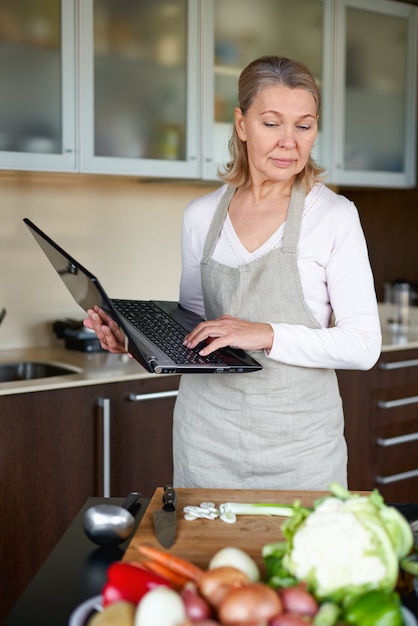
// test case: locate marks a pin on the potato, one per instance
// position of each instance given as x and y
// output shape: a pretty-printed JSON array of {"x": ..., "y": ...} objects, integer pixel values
[{"x": 117, "y": 614}]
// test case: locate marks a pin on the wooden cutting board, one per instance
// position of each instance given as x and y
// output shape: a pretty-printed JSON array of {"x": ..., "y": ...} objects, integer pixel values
[{"x": 200, "y": 539}]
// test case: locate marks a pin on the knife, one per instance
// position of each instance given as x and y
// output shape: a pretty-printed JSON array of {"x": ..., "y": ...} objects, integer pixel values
[{"x": 165, "y": 519}]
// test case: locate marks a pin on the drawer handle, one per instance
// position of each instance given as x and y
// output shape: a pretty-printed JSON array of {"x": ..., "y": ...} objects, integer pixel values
[
  {"x": 390, "y": 404},
  {"x": 393, "y": 478},
  {"x": 394, "y": 441},
  {"x": 394, "y": 365},
  {"x": 104, "y": 403},
  {"x": 140, "y": 397}
]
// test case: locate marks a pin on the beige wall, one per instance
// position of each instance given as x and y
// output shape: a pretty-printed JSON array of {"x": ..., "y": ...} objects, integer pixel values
[{"x": 125, "y": 231}]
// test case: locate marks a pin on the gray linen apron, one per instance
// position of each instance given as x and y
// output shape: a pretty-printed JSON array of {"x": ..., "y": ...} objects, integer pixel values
[{"x": 281, "y": 427}]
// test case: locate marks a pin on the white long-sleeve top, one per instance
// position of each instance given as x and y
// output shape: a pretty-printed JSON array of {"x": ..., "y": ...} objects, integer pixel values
[{"x": 335, "y": 274}]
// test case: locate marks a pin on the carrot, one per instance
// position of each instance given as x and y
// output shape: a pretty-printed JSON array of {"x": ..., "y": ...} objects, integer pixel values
[
  {"x": 175, "y": 563},
  {"x": 178, "y": 581}
]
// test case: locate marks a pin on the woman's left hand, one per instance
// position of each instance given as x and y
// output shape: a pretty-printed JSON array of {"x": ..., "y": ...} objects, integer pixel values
[{"x": 230, "y": 331}]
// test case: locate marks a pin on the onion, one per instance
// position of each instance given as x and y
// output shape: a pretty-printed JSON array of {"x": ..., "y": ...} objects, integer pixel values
[
  {"x": 298, "y": 600},
  {"x": 159, "y": 606},
  {"x": 250, "y": 605},
  {"x": 236, "y": 558},
  {"x": 214, "y": 584},
  {"x": 197, "y": 608}
]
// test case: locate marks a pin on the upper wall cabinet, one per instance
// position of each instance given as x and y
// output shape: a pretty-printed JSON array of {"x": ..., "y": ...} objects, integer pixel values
[
  {"x": 373, "y": 139},
  {"x": 148, "y": 88},
  {"x": 38, "y": 95},
  {"x": 139, "y": 108}
]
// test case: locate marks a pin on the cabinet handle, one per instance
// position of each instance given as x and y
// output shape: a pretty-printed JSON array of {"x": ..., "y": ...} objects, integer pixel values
[
  {"x": 394, "y": 365},
  {"x": 105, "y": 404},
  {"x": 394, "y": 441},
  {"x": 390, "y": 404},
  {"x": 393, "y": 478},
  {"x": 158, "y": 395}
]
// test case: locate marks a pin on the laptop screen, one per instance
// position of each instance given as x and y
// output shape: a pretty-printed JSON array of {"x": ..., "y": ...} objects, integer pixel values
[{"x": 80, "y": 283}]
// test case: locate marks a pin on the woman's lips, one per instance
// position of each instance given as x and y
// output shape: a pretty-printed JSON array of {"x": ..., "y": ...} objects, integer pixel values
[{"x": 283, "y": 163}]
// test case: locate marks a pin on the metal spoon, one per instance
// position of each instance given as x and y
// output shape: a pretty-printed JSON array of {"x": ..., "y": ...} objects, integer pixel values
[{"x": 109, "y": 524}]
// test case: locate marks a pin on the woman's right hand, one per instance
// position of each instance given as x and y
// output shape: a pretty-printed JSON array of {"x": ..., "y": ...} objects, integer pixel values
[{"x": 108, "y": 332}]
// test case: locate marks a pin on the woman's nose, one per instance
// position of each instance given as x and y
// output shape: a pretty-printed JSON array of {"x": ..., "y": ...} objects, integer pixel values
[{"x": 287, "y": 138}]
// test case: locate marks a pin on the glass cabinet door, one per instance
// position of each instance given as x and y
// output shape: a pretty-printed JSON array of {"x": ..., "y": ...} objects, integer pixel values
[
  {"x": 244, "y": 30},
  {"x": 37, "y": 104},
  {"x": 375, "y": 93},
  {"x": 137, "y": 70}
]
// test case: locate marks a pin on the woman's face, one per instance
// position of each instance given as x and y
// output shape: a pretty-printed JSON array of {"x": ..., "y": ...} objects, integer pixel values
[{"x": 280, "y": 129}]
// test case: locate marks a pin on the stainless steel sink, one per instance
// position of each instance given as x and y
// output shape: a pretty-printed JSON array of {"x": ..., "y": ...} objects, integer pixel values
[{"x": 30, "y": 370}]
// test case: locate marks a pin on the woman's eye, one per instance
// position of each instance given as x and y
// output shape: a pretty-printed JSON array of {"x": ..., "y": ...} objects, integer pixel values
[
  {"x": 304, "y": 127},
  {"x": 270, "y": 124}
]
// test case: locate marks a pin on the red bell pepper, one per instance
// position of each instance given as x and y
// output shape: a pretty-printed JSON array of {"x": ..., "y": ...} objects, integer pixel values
[{"x": 130, "y": 583}]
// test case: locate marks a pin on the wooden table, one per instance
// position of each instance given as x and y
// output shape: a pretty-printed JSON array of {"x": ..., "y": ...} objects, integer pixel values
[{"x": 198, "y": 540}]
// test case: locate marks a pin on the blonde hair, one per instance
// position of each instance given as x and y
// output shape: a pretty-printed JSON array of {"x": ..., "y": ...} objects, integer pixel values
[{"x": 259, "y": 74}]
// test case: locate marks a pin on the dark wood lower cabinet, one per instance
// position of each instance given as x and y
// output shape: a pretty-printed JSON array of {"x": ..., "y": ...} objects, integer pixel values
[
  {"x": 59, "y": 447},
  {"x": 381, "y": 425},
  {"x": 141, "y": 419},
  {"x": 48, "y": 460}
]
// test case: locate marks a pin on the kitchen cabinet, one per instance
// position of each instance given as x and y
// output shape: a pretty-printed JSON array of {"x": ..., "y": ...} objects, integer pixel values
[
  {"x": 373, "y": 89},
  {"x": 139, "y": 78},
  {"x": 140, "y": 429},
  {"x": 381, "y": 418},
  {"x": 149, "y": 88},
  {"x": 59, "y": 447},
  {"x": 49, "y": 466},
  {"x": 37, "y": 72}
]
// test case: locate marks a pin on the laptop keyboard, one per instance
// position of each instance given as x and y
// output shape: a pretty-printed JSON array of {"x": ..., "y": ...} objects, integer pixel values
[{"x": 162, "y": 330}]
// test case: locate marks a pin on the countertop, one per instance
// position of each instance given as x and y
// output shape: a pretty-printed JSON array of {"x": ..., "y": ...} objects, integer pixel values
[
  {"x": 93, "y": 368},
  {"x": 73, "y": 572},
  {"x": 90, "y": 368}
]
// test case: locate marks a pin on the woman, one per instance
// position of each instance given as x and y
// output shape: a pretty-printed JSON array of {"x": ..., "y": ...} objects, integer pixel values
[{"x": 277, "y": 264}]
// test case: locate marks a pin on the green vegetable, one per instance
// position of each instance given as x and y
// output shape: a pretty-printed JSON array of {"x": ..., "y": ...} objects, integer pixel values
[
  {"x": 327, "y": 615},
  {"x": 348, "y": 545},
  {"x": 375, "y": 608},
  {"x": 259, "y": 508}
]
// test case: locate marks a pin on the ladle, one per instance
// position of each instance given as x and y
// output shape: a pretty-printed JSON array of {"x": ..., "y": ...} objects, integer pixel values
[{"x": 110, "y": 524}]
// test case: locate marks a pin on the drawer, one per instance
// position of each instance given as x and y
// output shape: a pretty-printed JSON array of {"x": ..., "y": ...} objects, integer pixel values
[
  {"x": 395, "y": 455},
  {"x": 404, "y": 490},
  {"x": 397, "y": 459},
  {"x": 397, "y": 368}
]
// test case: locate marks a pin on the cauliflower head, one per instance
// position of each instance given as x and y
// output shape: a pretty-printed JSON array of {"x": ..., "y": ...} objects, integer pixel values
[{"x": 348, "y": 545}]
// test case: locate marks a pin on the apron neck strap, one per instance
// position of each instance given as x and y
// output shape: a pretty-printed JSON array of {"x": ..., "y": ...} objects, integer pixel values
[
  {"x": 294, "y": 215},
  {"x": 292, "y": 226}
]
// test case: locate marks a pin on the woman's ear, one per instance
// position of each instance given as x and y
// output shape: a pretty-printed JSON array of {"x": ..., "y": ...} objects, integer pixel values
[{"x": 240, "y": 123}]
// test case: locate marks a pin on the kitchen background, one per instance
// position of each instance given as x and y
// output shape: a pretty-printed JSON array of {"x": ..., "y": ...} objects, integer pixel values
[{"x": 114, "y": 114}]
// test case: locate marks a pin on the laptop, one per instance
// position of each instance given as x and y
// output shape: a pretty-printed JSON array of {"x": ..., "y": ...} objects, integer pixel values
[{"x": 154, "y": 330}]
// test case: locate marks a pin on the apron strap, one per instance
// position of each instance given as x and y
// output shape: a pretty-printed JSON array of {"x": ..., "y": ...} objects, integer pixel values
[
  {"x": 217, "y": 224},
  {"x": 293, "y": 218}
]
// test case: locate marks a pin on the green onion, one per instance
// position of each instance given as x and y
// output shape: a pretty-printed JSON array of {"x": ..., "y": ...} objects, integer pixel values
[{"x": 238, "y": 508}]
